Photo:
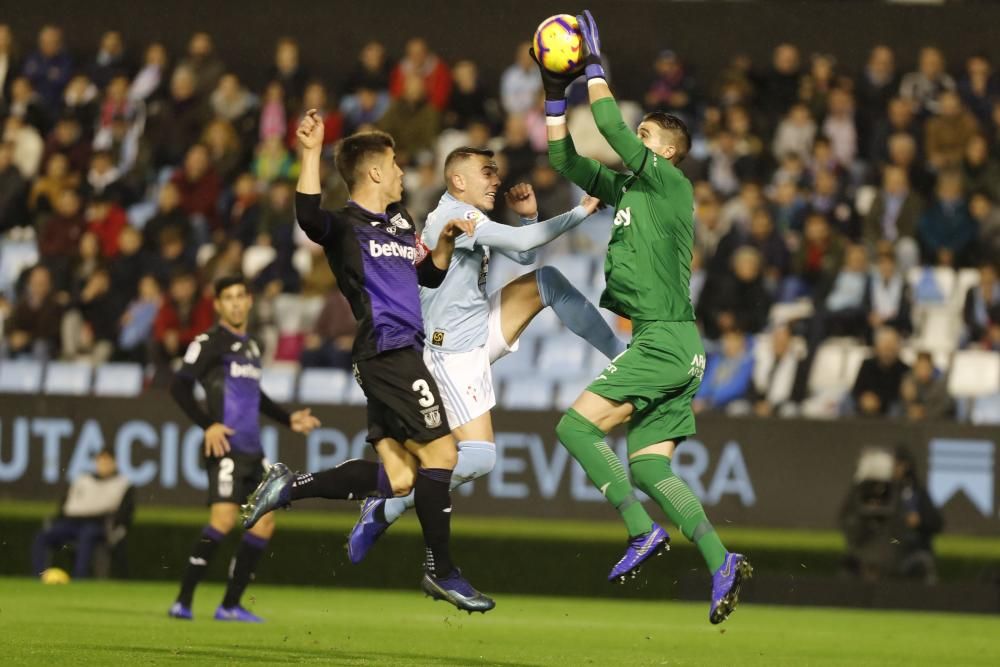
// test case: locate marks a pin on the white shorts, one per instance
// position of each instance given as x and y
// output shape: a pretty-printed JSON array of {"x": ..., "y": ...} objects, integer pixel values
[{"x": 465, "y": 379}]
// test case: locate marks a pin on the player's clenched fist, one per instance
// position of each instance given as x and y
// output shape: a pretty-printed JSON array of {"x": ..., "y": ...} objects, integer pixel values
[
  {"x": 521, "y": 200},
  {"x": 310, "y": 132},
  {"x": 457, "y": 227},
  {"x": 590, "y": 204}
]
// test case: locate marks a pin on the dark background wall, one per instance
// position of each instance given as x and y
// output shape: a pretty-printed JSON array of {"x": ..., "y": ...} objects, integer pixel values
[{"x": 707, "y": 33}]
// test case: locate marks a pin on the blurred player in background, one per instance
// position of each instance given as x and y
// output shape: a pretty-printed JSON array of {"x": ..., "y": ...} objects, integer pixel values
[
  {"x": 371, "y": 246},
  {"x": 226, "y": 361},
  {"x": 468, "y": 329},
  {"x": 648, "y": 270}
]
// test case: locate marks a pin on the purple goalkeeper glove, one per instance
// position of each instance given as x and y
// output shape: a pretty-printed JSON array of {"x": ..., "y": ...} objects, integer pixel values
[{"x": 591, "y": 38}]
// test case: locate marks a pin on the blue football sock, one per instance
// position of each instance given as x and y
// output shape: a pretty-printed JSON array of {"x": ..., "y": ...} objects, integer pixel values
[
  {"x": 475, "y": 459},
  {"x": 579, "y": 315}
]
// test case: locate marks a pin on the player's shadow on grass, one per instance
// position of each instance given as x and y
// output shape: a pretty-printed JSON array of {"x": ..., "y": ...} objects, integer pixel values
[{"x": 284, "y": 654}]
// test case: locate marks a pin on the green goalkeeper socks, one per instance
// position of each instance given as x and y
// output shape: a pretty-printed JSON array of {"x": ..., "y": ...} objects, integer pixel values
[
  {"x": 585, "y": 443},
  {"x": 652, "y": 473}
]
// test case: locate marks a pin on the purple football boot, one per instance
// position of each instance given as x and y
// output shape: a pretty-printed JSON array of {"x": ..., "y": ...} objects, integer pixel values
[
  {"x": 177, "y": 610},
  {"x": 237, "y": 613},
  {"x": 726, "y": 584},
  {"x": 273, "y": 492},
  {"x": 370, "y": 526},
  {"x": 640, "y": 548},
  {"x": 455, "y": 590}
]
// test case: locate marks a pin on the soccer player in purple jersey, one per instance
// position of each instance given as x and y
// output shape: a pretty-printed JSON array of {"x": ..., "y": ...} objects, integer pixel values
[
  {"x": 226, "y": 361},
  {"x": 371, "y": 246}
]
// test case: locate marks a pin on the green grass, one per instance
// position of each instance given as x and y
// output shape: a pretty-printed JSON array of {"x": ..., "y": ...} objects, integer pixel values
[
  {"x": 340, "y": 522},
  {"x": 125, "y": 624}
]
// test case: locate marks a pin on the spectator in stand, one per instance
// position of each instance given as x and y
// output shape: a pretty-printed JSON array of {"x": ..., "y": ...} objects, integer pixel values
[
  {"x": 103, "y": 179},
  {"x": 816, "y": 86},
  {"x": 925, "y": 391},
  {"x": 86, "y": 262},
  {"x": 60, "y": 234},
  {"x": 176, "y": 124},
  {"x": 774, "y": 373},
  {"x": 419, "y": 62},
  {"x": 980, "y": 171},
  {"x": 795, "y": 134},
  {"x": 517, "y": 154},
  {"x": 233, "y": 102},
  {"x": 980, "y": 303},
  {"x": 709, "y": 229},
  {"x": 819, "y": 254},
  {"x": 273, "y": 161},
  {"x": 169, "y": 214},
  {"x": 829, "y": 199},
  {"x": 899, "y": 118},
  {"x": 224, "y": 149},
  {"x": 948, "y": 133},
  {"x": 96, "y": 509},
  {"x": 888, "y": 300},
  {"x": 903, "y": 154},
  {"x": 876, "y": 390},
  {"x": 520, "y": 83},
  {"x": 205, "y": 66},
  {"x": 895, "y": 213},
  {"x": 371, "y": 70},
  {"x": 365, "y": 107},
  {"x": 789, "y": 208},
  {"x": 987, "y": 217},
  {"x": 47, "y": 188},
  {"x": 8, "y": 61},
  {"x": 315, "y": 97},
  {"x": 735, "y": 83},
  {"x": 90, "y": 326},
  {"x": 183, "y": 315},
  {"x": 468, "y": 99},
  {"x": 24, "y": 103},
  {"x": 136, "y": 324},
  {"x": 671, "y": 89},
  {"x": 110, "y": 60},
  {"x": 114, "y": 103},
  {"x": 129, "y": 265},
  {"x": 726, "y": 168},
  {"x": 839, "y": 126},
  {"x": 273, "y": 115},
  {"x": 843, "y": 310},
  {"x": 173, "y": 255},
  {"x": 778, "y": 88},
  {"x": 288, "y": 71},
  {"x": 738, "y": 210},
  {"x": 874, "y": 89},
  {"x": 149, "y": 83},
  {"x": 199, "y": 188},
  {"x": 924, "y": 86},
  {"x": 947, "y": 230},
  {"x": 67, "y": 137},
  {"x": 737, "y": 301},
  {"x": 32, "y": 330},
  {"x": 329, "y": 344},
  {"x": 412, "y": 120},
  {"x": 13, "y": 190},
  {"x": 979, "y": 87},
  {"x": 728, "y": 379},
  {"x": 49, "y": 68},
  {"x": 106, "y": 220},
  {"x": 26, "y": 144},
  {"x": 762, "y": 236}
]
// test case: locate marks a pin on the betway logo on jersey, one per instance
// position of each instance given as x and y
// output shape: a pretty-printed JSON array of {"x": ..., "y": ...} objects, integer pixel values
[
  {"x": 244, "y": 371},
  {"x": 392, "y": 249},
  {"x": 623, "y": 218}
]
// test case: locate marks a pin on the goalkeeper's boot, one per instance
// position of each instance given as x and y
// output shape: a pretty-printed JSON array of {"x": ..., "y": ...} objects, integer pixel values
[
  {"x": 726, "y": 584},
  {"x": 370, "y": 526},
  {"x": 178, "y": 610},
  {"x": 455, "y": 590},
  {"x": 273, "y": 492},
  {"x": 237, "y": 613},
  {"x": 640, "y": 548}
]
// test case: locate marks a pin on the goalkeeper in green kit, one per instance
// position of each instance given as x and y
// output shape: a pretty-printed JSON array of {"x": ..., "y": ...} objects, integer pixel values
[{"x": 648, "y": 270}]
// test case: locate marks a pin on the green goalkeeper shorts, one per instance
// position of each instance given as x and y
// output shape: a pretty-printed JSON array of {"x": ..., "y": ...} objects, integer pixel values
[{"x": 659, "y": 374}]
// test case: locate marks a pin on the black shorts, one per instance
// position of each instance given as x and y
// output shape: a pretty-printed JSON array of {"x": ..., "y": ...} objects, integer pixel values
[
  {"x": 233, "y": 477},
  {"x": 403, "y": 399}
]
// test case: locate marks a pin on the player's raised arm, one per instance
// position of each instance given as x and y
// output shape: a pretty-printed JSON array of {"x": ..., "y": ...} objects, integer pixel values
[
  {"x": 523, "y": 239},
  {"x": 308, "y": 189}
]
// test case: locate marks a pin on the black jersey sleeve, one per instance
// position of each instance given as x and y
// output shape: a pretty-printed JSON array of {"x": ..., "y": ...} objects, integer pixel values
[
  {"x": 199, "y": 357},
  {"x": 182, "y": 391},
  {"x": 314, "y": 221},
  {"x": 271, "y": 409}
]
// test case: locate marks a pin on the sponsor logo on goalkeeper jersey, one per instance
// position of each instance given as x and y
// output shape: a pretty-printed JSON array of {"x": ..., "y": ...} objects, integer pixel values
[
  {"x": 623, "y": 218},
  {"x": 697, "y": 366},
  {"x": 391, "y": 249}
]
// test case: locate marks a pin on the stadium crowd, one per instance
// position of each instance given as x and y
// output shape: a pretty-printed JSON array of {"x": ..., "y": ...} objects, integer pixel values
[{"x": 834, "y": 209}]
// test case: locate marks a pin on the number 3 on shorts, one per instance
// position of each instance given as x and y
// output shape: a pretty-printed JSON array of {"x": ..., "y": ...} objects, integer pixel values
[{"x": 426, "y": 399}]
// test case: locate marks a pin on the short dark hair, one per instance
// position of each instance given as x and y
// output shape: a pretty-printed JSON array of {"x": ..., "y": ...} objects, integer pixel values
[
  {"x": 351, "y": 153},
  {"x": 675, "y": 125},
  {"x": 464, "y": 153},
  {"x": 225, "y": 282}
]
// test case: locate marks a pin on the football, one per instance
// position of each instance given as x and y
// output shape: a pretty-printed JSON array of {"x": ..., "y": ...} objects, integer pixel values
[
  {"x": 55, "y": 575},
  {"x": 558, "y": 43}
]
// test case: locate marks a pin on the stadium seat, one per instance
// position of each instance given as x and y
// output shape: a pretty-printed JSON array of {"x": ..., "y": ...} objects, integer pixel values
[
  {"x": 827, "y": 372},
  {"x": 278, "y": 381},
  {"x": 256, "y": 259},
  {"x": 974, "y": 373},
  {"x": 15, "y": 257},
  {"x": 118, "y": 379},
  {"x": 783, "y": 313},
  {"x": 20, "y": 376},
  {"x": 323, "y": 385},
  {"x": 965, "y": 279},
  {"x": 562, "y": 356},
  {"x": 68, "y": 377},
  {"x": 986, "y": 410},
  {"x": 931, "y": 285},
  {"x": 937, "y": 328},
  {"x": 527, "y": 394}
]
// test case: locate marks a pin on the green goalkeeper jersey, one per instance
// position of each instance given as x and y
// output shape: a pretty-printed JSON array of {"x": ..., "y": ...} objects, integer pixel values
[{"x": 648, "y": 267}]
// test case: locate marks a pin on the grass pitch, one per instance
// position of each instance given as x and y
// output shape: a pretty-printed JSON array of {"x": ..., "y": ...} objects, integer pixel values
[{"x": 126, "y": 624}]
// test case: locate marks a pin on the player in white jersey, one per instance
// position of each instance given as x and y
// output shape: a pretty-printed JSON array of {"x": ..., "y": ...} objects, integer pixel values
[{"x": 467, "y": 329}]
